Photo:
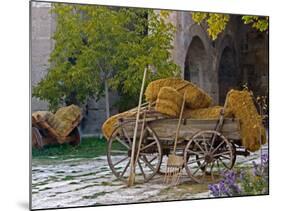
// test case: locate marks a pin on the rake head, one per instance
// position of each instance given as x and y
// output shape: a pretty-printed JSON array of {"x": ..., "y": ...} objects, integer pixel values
[{"x": 173, "y": 169}]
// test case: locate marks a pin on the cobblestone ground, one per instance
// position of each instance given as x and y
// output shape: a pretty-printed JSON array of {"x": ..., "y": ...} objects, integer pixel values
[{"x": 88, "y": 182}]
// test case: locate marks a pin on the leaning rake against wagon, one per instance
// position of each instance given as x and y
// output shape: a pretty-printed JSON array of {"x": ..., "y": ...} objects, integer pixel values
[
  {"x": 61, "y": 127},
  {"x": 209, "y": 138}
]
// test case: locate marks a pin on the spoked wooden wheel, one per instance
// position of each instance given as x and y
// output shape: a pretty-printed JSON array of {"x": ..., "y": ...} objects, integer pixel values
[
  {"x": 207, "y": 154},
  {"x": 119, "y": 154},
  {"x": 37, "y": 139}
]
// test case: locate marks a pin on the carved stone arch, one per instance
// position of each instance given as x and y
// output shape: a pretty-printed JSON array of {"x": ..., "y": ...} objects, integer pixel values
[
  {"x": 196, "y": 30},
  {"x": 200, "y": 54},
  {"x": 196, "y": 64},
  {"x": 226, "y": 41}
]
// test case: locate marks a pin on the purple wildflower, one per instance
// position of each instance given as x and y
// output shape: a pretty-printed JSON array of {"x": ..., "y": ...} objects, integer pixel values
[
  {"x": 223, "y": 188},
  {"x": 264, "y": 158},
  {"x": 229, "y": 178},
  {"x": 214, "y": 190},
  {"x": 227, "y": 186}
]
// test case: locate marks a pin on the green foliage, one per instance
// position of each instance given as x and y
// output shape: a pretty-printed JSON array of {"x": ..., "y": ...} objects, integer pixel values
[
  {"x": 216, "y": 23},
  {"x": 199, "y": 17},
  {"x": 253, "y": 184},
  {"x": 95, "y": 44},
  {"x": 151, "y": 51},
  {"x": 89, "y": 148},
  {"x": 259, "y": 23}
]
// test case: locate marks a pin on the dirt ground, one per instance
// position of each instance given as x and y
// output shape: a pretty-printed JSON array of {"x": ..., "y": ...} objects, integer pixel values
[{"x": 88, "y": 182}]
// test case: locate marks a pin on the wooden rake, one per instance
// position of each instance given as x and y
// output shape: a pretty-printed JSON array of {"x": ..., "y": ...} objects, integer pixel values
[{"x": 175, "y": 162}]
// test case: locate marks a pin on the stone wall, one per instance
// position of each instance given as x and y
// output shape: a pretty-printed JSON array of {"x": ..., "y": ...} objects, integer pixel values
[
  {"x": 238, "y": 56},
  {"x": 42, "y": 28}
]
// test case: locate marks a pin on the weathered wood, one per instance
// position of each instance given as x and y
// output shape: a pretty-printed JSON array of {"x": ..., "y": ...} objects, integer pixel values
[
  {"x": 37, "y": 140},
  {"x": 52, "y": 133},
  {"x": 166, "y": 128}
]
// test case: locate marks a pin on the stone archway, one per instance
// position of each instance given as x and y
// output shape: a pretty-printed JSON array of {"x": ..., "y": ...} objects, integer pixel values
[
  {"x": 196, "y": 63},
  {"x": 228, "y": 74}
]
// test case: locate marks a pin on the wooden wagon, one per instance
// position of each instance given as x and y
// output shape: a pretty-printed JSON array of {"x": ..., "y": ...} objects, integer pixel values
[
  {"x": 208, "y": 146},
  {"x": 44, "y": 134}
]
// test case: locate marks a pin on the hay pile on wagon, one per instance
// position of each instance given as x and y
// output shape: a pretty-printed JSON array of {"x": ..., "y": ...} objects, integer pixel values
[
  {"x": 167, "y": 96},
  {"x": 64, "y": 118},
  {"x": 206, "y": 113},
  {"x": 169, "y": 101},
  {"x": 241, "y": 104},
  {"x": 62, "y": 121},
  {"x": 111, "y": 123},
  {"x": 196, "y": 97}
]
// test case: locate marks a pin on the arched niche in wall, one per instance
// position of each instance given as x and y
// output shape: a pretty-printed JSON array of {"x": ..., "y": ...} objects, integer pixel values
[
  {"x": 227, "y": 72},
  {"x": 196, "y": 63}
]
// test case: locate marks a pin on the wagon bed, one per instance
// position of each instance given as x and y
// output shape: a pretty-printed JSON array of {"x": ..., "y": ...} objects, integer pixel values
[
  {"x": 166, "y": 126},
  {"x": 200, "y": 143}
]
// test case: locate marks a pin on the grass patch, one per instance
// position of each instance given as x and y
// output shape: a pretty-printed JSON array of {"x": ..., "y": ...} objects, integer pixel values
[
  {"x": 89, "y": 148},
  {"x": 68, "y": 178}
]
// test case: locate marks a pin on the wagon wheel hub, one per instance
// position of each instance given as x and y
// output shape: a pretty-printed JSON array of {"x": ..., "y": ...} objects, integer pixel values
[{"x": 209, "y": 157}]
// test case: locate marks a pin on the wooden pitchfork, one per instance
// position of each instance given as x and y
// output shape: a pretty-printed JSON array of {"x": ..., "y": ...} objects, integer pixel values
[{"x": 175, "y": 162}]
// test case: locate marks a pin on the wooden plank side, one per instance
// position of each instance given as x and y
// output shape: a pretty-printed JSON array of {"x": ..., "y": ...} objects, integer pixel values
[{"x": 166, "y": 128}]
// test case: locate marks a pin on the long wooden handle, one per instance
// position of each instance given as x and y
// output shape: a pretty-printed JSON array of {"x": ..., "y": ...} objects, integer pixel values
[
  {"x": 131, "y": 178},
  {"x": 179, "y": 123}
]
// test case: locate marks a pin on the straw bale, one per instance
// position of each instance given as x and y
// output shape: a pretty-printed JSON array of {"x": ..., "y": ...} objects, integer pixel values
[
  {"x": 241, "y": 104},
  {"x": 111, "y": 123},
  {"x": 195, "y": 98},
  {"x": 205, "y": 113},
  {"x": 41, "y": 115},
  {"x": 170, "y": 94},
  {"x": 64, "y": 119},
  {"x": 167, "y": 107},
  {"x": 169, "y": 101}
]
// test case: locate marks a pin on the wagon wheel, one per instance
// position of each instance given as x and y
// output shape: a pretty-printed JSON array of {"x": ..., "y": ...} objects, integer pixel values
[
  {"x": 208, "y": 151},
  {"x": 76, "y": 136},
  {"x": 37, "y": 139},
  {"x": 202, "y": 168},
  {"x": 119, "y": 154}
]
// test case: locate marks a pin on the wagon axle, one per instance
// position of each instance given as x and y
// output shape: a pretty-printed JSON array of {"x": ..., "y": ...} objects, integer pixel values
[{"x": 209, "y": 158}]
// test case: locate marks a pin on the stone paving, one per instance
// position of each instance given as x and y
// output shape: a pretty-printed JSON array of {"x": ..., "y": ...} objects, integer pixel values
[{"x": 88, "y": 182}]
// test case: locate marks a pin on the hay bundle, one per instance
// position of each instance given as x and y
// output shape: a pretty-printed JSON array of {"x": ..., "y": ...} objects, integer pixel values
[
  {"x": 64, "y": 119},
  {"x": 111, "y": 123},
  {"x": 41, "y": 116},
  {"x": 241, "y": 104},
  {"x": 195, "y": 98},
  {"x": 205, "y": 113},
  {"x": 169, "y": 101}
]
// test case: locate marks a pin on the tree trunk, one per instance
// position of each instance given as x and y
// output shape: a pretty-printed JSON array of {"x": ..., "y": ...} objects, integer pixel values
[
  {"x": 72, "y": 99},
  {"x": 106, "y": 99}
]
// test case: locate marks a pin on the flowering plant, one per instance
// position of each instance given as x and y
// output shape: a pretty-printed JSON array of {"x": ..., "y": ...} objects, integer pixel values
[
  {"x": 243, "y": 182},
  {"x": 227, "y": 186}
]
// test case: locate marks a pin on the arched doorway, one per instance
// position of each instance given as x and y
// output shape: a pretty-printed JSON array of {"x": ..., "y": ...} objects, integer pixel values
[
  {"x": 195, "y": 63},
  {"x": 228, "y": 74}
]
